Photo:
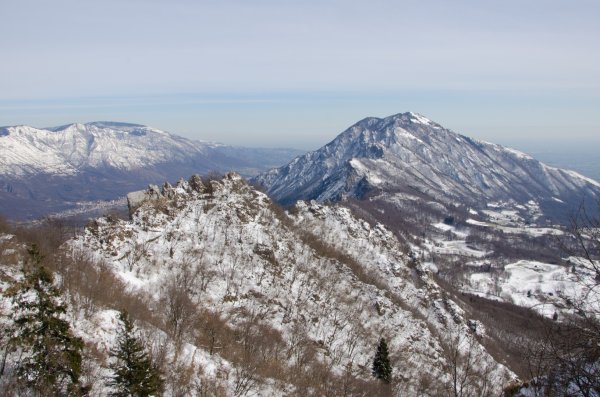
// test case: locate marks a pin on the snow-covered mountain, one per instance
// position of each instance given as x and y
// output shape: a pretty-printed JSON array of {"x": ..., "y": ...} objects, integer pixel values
[
  {"x": 290, "y": 304},
  {"x": 52, "y": 169},
  {"x": 235, "y": 296},
  {"x": 68, "y": 149},
  {"x": 407, "y": 154}
]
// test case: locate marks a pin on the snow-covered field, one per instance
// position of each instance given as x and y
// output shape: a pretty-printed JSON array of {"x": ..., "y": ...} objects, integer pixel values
[
  {"x": 546, "y": 288},
  {"x": 530, "y": 230}
]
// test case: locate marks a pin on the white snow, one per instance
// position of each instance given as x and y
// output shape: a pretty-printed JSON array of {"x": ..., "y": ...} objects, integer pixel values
[
  {"x": 444, "y": 227},
  {"x": 371, "y": 175},
  {"x": 518, "y": 153},
  {"x": 533, "y": 231},
  {"x": 543, "y": 287},
  {"x": 577, "y": 175},
  {"x": 417, "y": 118},
  {"x": 457, "y": 247}
]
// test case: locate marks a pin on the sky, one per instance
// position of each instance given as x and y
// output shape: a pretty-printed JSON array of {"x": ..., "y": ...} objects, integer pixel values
[{"x": 282, "y": 73}]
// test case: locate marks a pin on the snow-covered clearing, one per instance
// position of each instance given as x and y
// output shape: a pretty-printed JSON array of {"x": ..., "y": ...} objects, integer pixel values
[
  {"x": 532, "y": 231},
  {"x": 546, "y": 288}
]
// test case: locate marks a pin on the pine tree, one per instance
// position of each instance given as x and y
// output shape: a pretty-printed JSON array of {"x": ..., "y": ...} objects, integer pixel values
[
  {"x": 49, "y": 361},
  {"x": 134, "y": 373},
  {"x": 382, "y": 369}
]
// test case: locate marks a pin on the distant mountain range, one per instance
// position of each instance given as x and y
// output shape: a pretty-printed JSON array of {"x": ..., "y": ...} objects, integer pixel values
[
  {"x": 56, "y": 169},
  {"x": 407, "y": 156},
  {"x": 396, "y": 159}
]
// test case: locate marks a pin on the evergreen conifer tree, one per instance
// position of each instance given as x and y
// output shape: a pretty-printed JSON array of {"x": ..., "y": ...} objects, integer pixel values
[
  {"x": 134, "y": 373},
  {"x": 382, "y": 369},
  {"x": 49, "y": 362}
]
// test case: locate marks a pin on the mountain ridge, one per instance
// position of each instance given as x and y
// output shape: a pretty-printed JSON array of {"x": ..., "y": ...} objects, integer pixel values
[
  {"x": 50, "y": 170},
  {"x": 408, "y": 152},
  {"x": 264, "y": 260}
]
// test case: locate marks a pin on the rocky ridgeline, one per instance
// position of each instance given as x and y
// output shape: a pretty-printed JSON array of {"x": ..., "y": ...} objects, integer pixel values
[
  {"x": 324, "y": 284},
  {"x": 154, "y": 193}
]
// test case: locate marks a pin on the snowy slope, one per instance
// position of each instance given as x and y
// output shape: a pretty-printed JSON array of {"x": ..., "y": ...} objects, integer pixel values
[
  {"x": 320, "y": 275},
  {"x": 48, "y": 170},
  {"x": 407, "y": 153}
]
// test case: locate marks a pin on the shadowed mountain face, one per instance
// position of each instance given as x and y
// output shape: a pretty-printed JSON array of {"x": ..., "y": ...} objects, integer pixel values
[
  {"x": 49, "y": 170},
  {"x": 411, "y": 155}
]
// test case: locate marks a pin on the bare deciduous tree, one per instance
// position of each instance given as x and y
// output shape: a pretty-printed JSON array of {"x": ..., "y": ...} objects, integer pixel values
[
  {"x": 178, "y": 309},
  {"x": 466, "y": 364},
  {"x": 566, "y": 360}
]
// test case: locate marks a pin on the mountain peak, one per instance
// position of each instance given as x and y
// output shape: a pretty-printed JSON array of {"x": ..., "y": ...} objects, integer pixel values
[
  {"x": 408, "y": 152},
  {"x": 66, "y": 127},
  {"x": 407, "y": 121},
  {"x": 411, "y": 118}
]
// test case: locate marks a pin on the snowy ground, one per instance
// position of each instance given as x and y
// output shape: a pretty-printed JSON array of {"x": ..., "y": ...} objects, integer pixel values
[
  {"x": 546, "y": 288},
  {"x": 530, "y": 230},
  {"x": 453, "y": 243},
  {"x": 283, "y": 266}
]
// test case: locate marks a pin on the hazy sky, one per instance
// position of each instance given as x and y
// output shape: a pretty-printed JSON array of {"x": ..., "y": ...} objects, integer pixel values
[{"x": 296, "y": 73}]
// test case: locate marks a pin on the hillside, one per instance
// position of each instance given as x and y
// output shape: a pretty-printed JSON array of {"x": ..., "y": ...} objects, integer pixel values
[{"x": 320, "y": 285}]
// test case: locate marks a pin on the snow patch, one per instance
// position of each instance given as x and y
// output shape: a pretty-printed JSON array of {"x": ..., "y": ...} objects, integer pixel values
[
  {"x": 518, "y": 153},
  {"x": 417, "y": 118},
  {"x": 533, "y": 231}
]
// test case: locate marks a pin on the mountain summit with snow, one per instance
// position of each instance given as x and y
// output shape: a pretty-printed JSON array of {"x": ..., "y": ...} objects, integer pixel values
[
  {"x": 51, "y": 169},
  {"x": 408, "y": 155},
  {"x": 73, "y": 148},
  {"x": 69, "y": 149}
]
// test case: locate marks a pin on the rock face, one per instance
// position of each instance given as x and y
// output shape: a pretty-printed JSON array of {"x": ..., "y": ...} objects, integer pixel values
[
  {"x": 135, "y": 199},
  {"x": 54, "y": 169},
  {"x": 407, "y": 153}
]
